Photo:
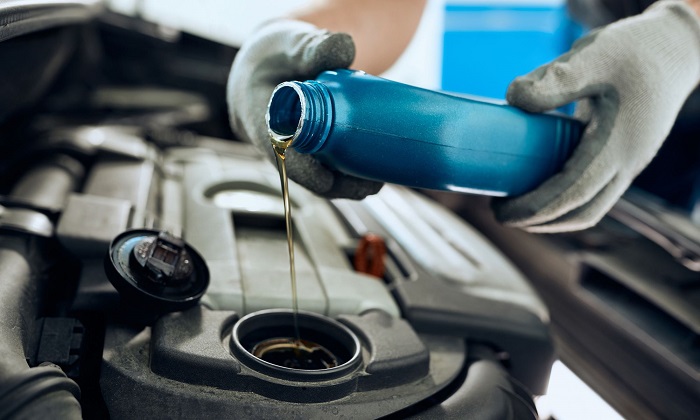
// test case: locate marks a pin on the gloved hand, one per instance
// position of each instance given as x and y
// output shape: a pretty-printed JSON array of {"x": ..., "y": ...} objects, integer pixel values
[
  {"x": 632, "y": 78},
  {"x": 281, "y": 51}
]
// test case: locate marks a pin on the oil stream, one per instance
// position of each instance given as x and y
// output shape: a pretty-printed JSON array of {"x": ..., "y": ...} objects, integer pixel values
[
  {"x": 280, "y": 148},
  {"x": 292, "y": 352}
]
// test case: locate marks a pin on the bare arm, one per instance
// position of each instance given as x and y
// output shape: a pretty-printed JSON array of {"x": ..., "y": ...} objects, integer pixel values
[
  {"x": 381, "y": 29},
  {"x": 695, "y": 4}
]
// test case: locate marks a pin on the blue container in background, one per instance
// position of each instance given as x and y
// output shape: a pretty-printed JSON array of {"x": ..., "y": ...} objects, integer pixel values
[{"x": 487, "y": 44}]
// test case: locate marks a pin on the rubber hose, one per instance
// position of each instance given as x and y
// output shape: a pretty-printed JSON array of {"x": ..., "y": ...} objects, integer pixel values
[
  {"x": 48, "y": 184},
  {"x": 19, "y": 300},
  {"x": 40, "y": 392}
]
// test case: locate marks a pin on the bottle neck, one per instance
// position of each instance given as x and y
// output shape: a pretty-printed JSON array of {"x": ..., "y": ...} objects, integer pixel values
[{"x": 299, "y": 115}]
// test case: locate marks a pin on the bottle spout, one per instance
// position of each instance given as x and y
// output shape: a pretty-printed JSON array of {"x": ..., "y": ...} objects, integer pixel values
[
  {"x": 299, "y": 115},
  {"x": 285, "y": 114}
]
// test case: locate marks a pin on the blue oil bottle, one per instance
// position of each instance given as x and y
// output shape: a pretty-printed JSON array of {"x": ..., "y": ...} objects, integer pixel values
[{"x": 382, "y": 130}]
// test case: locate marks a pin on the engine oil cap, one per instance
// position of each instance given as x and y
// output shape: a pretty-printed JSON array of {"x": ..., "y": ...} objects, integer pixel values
[{"x": 156, "y": 270}]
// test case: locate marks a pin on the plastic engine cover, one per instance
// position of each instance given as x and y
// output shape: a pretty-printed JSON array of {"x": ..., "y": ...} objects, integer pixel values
[{"x": 440, "y": 335}]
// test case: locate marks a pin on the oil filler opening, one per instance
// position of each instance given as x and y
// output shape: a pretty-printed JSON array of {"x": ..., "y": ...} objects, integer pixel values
[{"x": 265, "y": 341}]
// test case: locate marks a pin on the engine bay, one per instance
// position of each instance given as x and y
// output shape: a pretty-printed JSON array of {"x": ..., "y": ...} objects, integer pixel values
[{"x": 124, "y": 167}]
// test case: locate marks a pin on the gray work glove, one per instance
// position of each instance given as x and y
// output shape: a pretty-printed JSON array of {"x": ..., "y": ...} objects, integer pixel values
[
  {"x": 632, "y": 78},
  {"x": 280, "y": 51}
]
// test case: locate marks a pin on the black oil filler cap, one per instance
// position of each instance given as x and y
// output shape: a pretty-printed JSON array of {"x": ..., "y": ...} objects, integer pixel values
[{"x": 155, "y": 270}]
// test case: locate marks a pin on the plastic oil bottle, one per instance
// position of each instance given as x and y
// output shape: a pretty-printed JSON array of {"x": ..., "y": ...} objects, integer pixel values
[{"x": 387, "y": 131}]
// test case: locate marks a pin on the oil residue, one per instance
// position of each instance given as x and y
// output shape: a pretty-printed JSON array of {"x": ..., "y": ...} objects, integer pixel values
[{"x": 295, "y": 354}]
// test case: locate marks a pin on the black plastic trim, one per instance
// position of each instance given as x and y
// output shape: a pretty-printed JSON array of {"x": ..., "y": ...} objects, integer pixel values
[{"x": 19, "y": 17}]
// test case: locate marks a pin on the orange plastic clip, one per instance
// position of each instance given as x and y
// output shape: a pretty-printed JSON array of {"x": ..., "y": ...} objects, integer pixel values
[{"x": 369, "y": 255}]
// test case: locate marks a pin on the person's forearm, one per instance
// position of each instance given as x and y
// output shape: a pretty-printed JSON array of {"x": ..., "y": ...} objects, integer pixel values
[
  {"x": 381, "y": 29},
  {"x": 695, "y": 4}
]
